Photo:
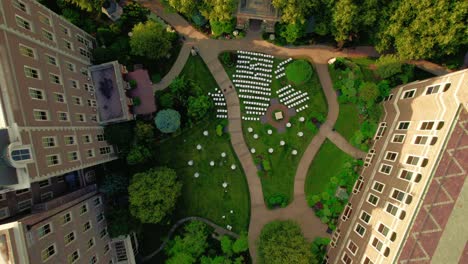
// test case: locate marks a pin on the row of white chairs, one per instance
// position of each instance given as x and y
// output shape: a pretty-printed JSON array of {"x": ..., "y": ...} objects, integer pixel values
[
  {"x": 263, "y": 74},
  {"x": 251, "y": 82},
  {"x": 302, "y": 108},
  {"x": 247, "y": 107},
  {"x": 256, "y": 103},
  {"x": 220, "y": 99},
  {"x": 283, "y": 88},
  {"x": 279, "y": 70},
  {"x": 264, "y": 65},
  {"x": 221, "y": 110},
  {"x": 220, "y": 104},
  {"x": 254, "y": 113},
  {"x": 266, "y": 89},
  {"x": 284, "y": 62},
  {"x": 250, "y": 67},
  {"x": 246, "y": 57},
  {"x": 290, "y": 96},
  {"x": 248, "y": 118},
  {"x": 254, "y": 92},
  {"x": 280, "y": 75},
  {"x": 261, "y": 98},
  {"x": 221, "y": 116},
  {"x": 292, "y": 103},
  {"x": 281, "y": 95},
  {"x": 245, "y": 72},
  {"x": 255, "y": 54},
  {"x": 241, "y": 76}
]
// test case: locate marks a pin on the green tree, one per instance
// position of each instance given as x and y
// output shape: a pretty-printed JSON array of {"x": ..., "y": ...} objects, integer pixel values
[
  {"x": 144, "y": 132},
  {"x": 138, "y": 154},
  {"x": 153, "y": 194},
  {"x": 88, "y": 5},
  {"x": 345, "y": 20},
  {"x": 199, "y": 106},
  {"x": 133, "y": 13},
  {"x": 384, "y": 88},
  {"x": 151, "y": 40},
  {"x": 186, "y": 7},
  {"x": 388, "y": 65},
  {"x": 218, "y": 10},
  {"x": 294, "y": 10},
  {"x": 180, "y": 258},
  {"x": 241, "y": 244},
  {"x": 114, "y": 184},
  {"x": 291, "y": 32},
  {"x": 120, "y": 222},
  {"x": 318, "y": 249},
  {"x": 220, "y": 27},
  {"x": 226, "y": 245},
  {"x": 193, "y": 241},
  {"x": 368, "y": 93},
  {"x": 282, "y": 242},
  {"x": 119, "y": 135},
  {"x": 168, "y": 120},
  {"x": 166, "y": 100},
  {"x": 422, "y": 29}
]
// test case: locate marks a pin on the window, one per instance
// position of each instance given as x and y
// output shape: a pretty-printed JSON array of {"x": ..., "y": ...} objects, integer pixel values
[
  {"x": 381, "y": 130},
  {"x": 346, "y": 259},
  {"x": 83, "y": 209},
  {"x": 49, "y": 142},
  {"x": 103, "y": 232},
  {"x": 60, "y": 178},
  {"x": 59, "y": 97},
  {"x": 27, "y": 51},
  {"x": 80, "y": 38},
  {"x": 391, "y": 156},
  {"x": 104, "y": 150},
  {"x": 408, "y": 94},
  {"x": 412, "y": 160},
  {"x": 73, "y": 257},
  {"x": 391, "y": 209},
  {"x": 440, "y": 125},
  {"x": 54, "y": 78},
  {"x": 66, "y": 218},
  {"x": 31, "y": 72},
  {"x": 70, "y": 140},
  {"x": 93, "y": 118},
  {"x": 428, "y": 125},
  {"x": 48, "y": 35},
  {"x": 86, "y": 226},
  {"x": 74, "y": 84},
  {"x": 365, "y": 217},
  {"x": 100, "y": 137},
  {"x": 398, "y": 138},
  {"x": 23, "y": 23},
  {"x": 22, "y": 191},
  {"x": 106, "y": 248},
  {"x": 51, "y": 60},
  {"x": 100, "y": 217},
  {"x": 85, "y": 72},
  {"x": 347, "y": 212},
  {"x": 21, "y": 154},
  {"x": 403, "y": 125},
  {"x": 377, "y": 244},
  {"x": 70, "y": 237},
  {"x": 44, "y": 183},
  {"x": 88, "y": 87},
  {"x": 97, "y": 201},
  {"x": 47, "y": 196},
  {"x": 367, "y": 261},
  {"x": 72, "y": 156},
  {"x": 24, "y": 205},
  {"x": 4, "y": 213},
  {"x": 71, "y": 67},
  {"x": 407, "y": 175},
  {"x": 360, "y": 230},
  {"x": 91, "y": 243},
  {"x": 41, "y": 115},
  {"x": 433, "y": 141},
  {"x": 432, "y": 89},
  {"x": 85, "y": 53},
  {"x": 92, "y": 102},
  {"x": 80, "y": 117},
  {"x": 62, "y": 116},
  {"x": 93, "y": 260},
  {"x": 87, "y": 139},
  {"x": 20, "y": 5},
  {"x": 53, "y": 160},
  {"x": 68, "y": 44},
  {"x": 372, "y": 199},
  {"x": 77, "y": 100},
  {"x": 65, "y": 30},
  {"x": 389, "y": 97},
  {"x": 378, "y": 186},
  {"x": 44, "y": 19},
  {"x": 421, "y": 140},
  {"x": 383, "y": 229},
  {"x": 386, "y": 169},
  {"x": 48, "y": 252},
  {"x": 36, "y": 94},
  {"x": 352, "y": 247},
  {"x": 90, "y": 153},
  {"x": 44, "y": 230}
]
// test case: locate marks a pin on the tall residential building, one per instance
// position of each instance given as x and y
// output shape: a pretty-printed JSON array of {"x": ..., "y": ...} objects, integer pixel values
[
  {"x": 405, "y": 206},
  {"x": 49, "y": 123}
]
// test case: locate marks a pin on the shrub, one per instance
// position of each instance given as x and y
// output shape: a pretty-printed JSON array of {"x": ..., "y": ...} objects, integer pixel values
[
  {"x": 138, "y": 154},
  {"x": 136, "y": 101},
  {"x": 299, "y": 71},
  {"x": 266, "y": 165},
  {"x": 218, "y": 27},
  {"x": 155, "y": 77},
  {"x": 388, "y": 65},
  {"x": 311, "y": 126},
  {"x": 167, "y": 121},
  {"x": 133, "y": 84},
  {"x": 198, "y": 106},
  {"x": 166, "y": 100},
  {"x": 228, "y": 59},
  {"x": 219, "y": 130},
  {"x": 277, "y": 200}
]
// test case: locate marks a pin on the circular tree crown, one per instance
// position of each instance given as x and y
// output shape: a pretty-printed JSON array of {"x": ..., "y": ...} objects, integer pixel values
[
  {"x": 299, "y": 71},
  {"x": 167, "y": 121}
]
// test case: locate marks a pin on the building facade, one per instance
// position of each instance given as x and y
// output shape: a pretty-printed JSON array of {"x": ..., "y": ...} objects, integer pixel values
[
  {"x": 418, "y": 123},
  {"x": 48, "y": 111}
]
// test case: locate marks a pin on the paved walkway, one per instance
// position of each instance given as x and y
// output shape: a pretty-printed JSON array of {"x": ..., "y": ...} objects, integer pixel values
[
  {"x": 218, "y": 230},
  {"x": 319, "y": 55}
]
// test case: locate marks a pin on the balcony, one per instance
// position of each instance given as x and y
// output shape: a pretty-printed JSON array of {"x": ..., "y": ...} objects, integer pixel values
[{"x": 54, "y": 203}]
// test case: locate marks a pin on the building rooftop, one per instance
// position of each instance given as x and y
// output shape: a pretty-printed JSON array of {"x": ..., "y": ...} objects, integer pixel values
[{"x": 257, "y": 8}]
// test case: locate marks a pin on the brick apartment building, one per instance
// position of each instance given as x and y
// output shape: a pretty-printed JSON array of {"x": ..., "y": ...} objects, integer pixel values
[{"x": 411, "y": 181}]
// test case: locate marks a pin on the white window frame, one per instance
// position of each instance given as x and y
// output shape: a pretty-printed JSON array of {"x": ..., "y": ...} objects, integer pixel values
[
  {"x": 377, "y": 182},
  {"x": 428, "y": 140},
  {"x": 98, "y": 136},
  {"x": 66, "y": 42},
  {"x": 49, "y": 182},
  {"x": 47, "y": 32},
  {"x": 378, "y": 199},
  {"x": 30, "y": 51},
  {"x": 383, "y": 172},
  {"x": 343, "y": 256},
  {"x": 71, "y": 153},
  {"x": 37, "y": 90},
  {"x": 50, "y": 256},
  {"x": 405, "y": 194},
  {"x": 53, "y": 76},
  {"x": 78, "y": 119},
  {"x": 58, "y": 159},
  {"x": 377, "y": 229},
  {"x": 77, "y": 251},
  {"x": 412, "y": 175},
  {"x": 32, "y": 69},
  {"x": 87, "y": 208},
  {"x": 372, "y": 240},
  {"x": 69, "y": 136},
  {"x": 24, "y": 20},
  {"x": 63, "y": 218},
  {"x": 63, "y": 29},
  {"x": 48, "y": 57},
  {"x": 41, "y": 110},
  {"x": 396, "y": 142},
  {"x": 407, "y": 92},
  {"x": 71, "y": 241},
  {"x": 54, "y": 139},
  {"x": 90, "y": 226},
  {"x": 386, "y": 206},
  {"x": 49, "y": 21},
  {"x": 70, "y": 66},
  {"x": 355, "y": 230},
  {"x": 362, "y": 213},
  {"x": 434, "y": 126},
  {"x": 63, "y": 97},
  {"x": 41, "y": 227},
  {"x": 23, "y": 201},
  {"x": 77, "y": 100},
  {"x": 74, "y": 84},
  {"x": 94, "y": 243},
  {"x": 357, "y": 247},
  {"x": 6, "y": 212},
  {"x": 105, "y": 148},
  {"x": 403, "y": 122},
  {"x": 17, "y": 3},
  {"x": 390, "y": 152},
  {"x": 59, "y": 117},
  {"x": 93, "y": 153}
]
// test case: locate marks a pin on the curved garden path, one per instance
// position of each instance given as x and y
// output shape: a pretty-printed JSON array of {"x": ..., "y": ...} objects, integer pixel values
[
  {"x": 218, "y": 229},
  {"x": 319, "y": 55}
]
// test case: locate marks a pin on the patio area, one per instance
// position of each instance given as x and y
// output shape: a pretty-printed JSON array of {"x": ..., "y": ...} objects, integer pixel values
[{"x": 143, "y": 91}]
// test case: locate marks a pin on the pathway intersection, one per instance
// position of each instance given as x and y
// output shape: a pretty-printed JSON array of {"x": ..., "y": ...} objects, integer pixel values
[{"x": 319, "y": 55}]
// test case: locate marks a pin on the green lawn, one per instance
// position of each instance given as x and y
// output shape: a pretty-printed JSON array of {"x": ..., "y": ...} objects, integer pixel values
[
  {"x": 348, "y": 120},
  {"x": 280, "y": 180},
  {"x": 328, "y": 162}
]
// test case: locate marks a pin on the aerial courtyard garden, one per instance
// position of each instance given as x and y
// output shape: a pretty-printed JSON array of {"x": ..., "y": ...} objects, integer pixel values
[{"x": 282, "y": 107}]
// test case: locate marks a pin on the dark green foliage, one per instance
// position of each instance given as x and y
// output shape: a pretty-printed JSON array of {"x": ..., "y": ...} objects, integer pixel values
[
  {"x": 277, "y": 200},
  {"x": 388, "y": 65},
  {"x": 105, "y": 36},
  {"x": 282, "y": 242},
  {"x": 191, "y": 245},
  {"x": 198, "y": 19},
  {"x": 384, "y": 88},
  {"x": 167, "y": 121},
  {"x": 133, "y": 13},
  {"x": 241, "y": 244},
  {"x": 217, "y": 10},
  {"x": 228, "y": 59},
  {"x": 120, "y": 222},
  {"x": 133, "y": 84},
  {"x": 138, "y": 154},
  {"x": 153, "y": 194},
  {"x": 151, "y": 40},
  {"x": 166, "y": 100},
  {"x": 219, "y": 130},
  {"x": 136, "y": 101},
  {"x": 88, "y": 5},
  {"x": 292, "y": 32},
  {"x": 311, "y": 126},
  {"x": 226, "y": 245},
  {"x": 198, "y": 107},
  {"x": 299, "y": 71},
  {"x": 319, "y": 249},
  {"x": 144, "y": 132},
  {"x": 220, "y": 27},
  {"x": 120, "y": 135},
  {"x": 368, "y": 93},
  {"x": 114, "y": 184},
  {"x": 266, "y": 165}
]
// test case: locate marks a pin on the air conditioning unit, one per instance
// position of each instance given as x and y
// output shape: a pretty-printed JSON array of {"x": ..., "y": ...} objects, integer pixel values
[{"x": 91, "y": 94}]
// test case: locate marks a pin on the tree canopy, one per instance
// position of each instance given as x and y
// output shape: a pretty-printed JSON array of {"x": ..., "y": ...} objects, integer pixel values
[
  {"x": 282, "y": 242},
  {"x": 218, "y": 10},
  {"x": 191, "y": 245},
  {"x": 153, "y": 194},
  {"x": 88, "y": 5},
  {"x": 168, "y": 120},
  {"x": 293, "y": 11},
  {"x": 151, "y": 40}
]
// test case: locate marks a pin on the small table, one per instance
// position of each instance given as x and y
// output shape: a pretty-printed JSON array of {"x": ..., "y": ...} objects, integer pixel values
[{"x": 279, "y": 115}]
